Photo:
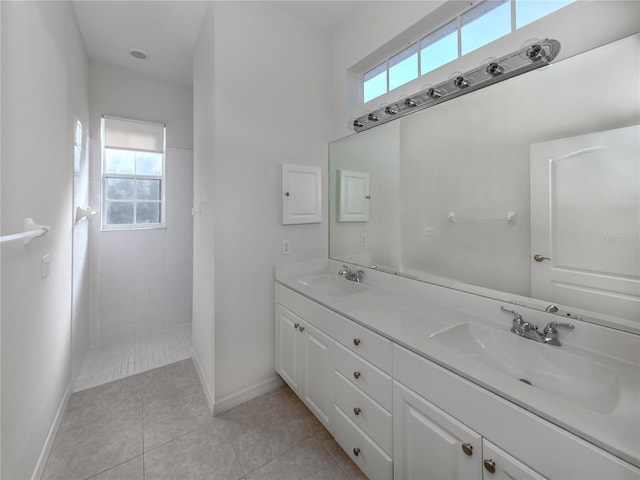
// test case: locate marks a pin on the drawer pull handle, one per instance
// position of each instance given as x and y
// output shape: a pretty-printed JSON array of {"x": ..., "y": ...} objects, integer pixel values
[
  {"x": 357, "y": 411},
  {"x": 356, "y": 341},
  {"x": 356, "y": 451},
  {"x": 301, "y": 328},
  {"x": 490, "y": 465},
  {"x": 467, "y": 448},
  {"x": 356, "y": 375},
  {"x": 296, "y": 325}
]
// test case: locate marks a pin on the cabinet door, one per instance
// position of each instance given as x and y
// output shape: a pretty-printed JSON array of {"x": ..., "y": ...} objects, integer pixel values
[
  {"x": 288, "y": 346},
  {"x": 317, "y": 376},
  {"x": 428, "y": 443},
  {"x": 354, "y": 196},
  {"x": 499, "y": 465},
  {"x": 301, "y": 194}
]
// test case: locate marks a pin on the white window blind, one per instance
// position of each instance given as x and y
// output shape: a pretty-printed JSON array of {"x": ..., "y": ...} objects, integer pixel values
[{"x": 133, "y": 135}]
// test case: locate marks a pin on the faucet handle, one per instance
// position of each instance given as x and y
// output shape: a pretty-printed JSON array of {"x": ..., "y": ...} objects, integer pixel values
[
  {"x": 551, "y": 327},
  {"x": 517, "y": 318}
]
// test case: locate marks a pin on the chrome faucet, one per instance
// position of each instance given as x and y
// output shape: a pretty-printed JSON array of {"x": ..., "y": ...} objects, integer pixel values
[
  {"x": 529, "y": 330},
  {"x": 349, "y": 275}
]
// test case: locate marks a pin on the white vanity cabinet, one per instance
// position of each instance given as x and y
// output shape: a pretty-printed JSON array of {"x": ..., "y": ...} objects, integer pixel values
[
  {"x": 429, "y": 443},
  {"x": 305, "y": 360},
  {"x": 429, "y": 397},
  {"x": 399, "y": 415}
]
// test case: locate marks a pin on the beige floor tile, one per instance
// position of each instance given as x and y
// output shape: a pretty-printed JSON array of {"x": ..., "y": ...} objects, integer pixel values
[
  {"x": 203, "y": 454},
  {"x": 307, "y": 461},
  {"x": 102, "y": 402},
  {"x": 131, "y": 470},
  {"x": 261, "y": 444},
  {"x": 94, "y": 447},
  {"x": 164, "y": 413},
  {"x": 348, "y": 467}
]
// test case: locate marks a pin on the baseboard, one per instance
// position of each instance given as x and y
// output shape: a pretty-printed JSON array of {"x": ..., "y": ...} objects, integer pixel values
[
  {"x": 246, "y": 394},
  {"x": 208, "y": 391},
  {"x": 46, "y": 449}
]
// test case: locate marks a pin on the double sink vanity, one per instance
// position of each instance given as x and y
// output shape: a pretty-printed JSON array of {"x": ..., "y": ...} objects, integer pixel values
[{"x": 418, "y": 381}]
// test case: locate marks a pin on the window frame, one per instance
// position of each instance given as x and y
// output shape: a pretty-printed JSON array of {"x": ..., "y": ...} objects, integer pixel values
[
  {"x": 135, "y": 177},
  {"x": 460, "y": 20}
]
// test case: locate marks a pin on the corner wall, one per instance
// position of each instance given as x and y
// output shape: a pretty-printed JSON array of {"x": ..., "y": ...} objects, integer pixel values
[
  {"x": 266, "y": 95},
  {"x": 44, "y": 83}
]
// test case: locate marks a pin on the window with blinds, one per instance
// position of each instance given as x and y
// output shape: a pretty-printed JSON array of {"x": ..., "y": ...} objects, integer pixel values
[{"x": 133, "y": 174}]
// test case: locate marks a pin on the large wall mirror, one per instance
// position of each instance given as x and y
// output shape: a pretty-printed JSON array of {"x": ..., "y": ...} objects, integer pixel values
[{"x": 527, "y": 191}]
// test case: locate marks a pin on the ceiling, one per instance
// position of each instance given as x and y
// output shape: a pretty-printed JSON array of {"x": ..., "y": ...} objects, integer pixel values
[{"x": 167, "y": 30}]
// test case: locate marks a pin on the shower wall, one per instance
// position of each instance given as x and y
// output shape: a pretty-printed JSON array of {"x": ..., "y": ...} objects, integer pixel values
[{"x": 141, "y": 280}]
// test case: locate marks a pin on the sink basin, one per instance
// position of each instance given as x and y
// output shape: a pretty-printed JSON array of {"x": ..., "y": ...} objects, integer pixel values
[
  {"x": 566, "y": 375},
  {"x": 332, "y": 284}
]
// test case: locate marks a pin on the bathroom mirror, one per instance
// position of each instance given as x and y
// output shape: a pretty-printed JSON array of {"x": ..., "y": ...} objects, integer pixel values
[{"x": 527, "y": 191}]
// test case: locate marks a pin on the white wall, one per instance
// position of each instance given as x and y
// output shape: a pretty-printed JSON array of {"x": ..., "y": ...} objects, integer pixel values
[
  {"x": 269, "y": 95},
  {"x": 203, "y": 323},
  {"x": 141, "y": 280},
  {"x": 44, "y": 82}
]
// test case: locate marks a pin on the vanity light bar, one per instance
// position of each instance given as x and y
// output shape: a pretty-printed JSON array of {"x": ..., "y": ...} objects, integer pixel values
[{"x": 529, "y": 58}]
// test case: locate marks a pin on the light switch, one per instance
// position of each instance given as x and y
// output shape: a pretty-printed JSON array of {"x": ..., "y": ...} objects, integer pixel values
[{"x": 44, "y": 265}]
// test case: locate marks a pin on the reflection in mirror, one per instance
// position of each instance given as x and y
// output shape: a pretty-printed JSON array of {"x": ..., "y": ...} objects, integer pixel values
[{"x": 470, "y": 193}]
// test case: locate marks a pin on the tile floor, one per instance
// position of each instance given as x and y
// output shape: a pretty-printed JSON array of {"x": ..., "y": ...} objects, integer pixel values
[
  {"x": 106, "y": 363},
  {"x": 156, "y": 425}
]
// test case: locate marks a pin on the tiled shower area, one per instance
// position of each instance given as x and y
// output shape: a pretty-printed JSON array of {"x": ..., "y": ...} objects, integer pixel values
[{"x": 140, "y": 283}]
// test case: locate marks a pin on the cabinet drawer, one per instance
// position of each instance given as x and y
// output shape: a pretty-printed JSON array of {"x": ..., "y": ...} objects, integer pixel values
[
  {"x": 369, "y": 345},
  {"x": 320, "y": 317},
  {"x": 374, "y": 420},
  {"x": 373, "y": 381},
  {"x": 370, "y": 458}
]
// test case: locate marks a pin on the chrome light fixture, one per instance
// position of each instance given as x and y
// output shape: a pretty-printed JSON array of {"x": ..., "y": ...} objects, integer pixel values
[
  {"x": 528, "y": 58},
  {"x": 461, "y": 82},
  {"x": 494, "y": 69},
  {"x": 434, "y": 93}
]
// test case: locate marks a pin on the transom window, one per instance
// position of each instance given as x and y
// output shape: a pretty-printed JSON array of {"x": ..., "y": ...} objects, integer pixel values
[
  {"x": 473, "y": 29},
  {"x": 133, "y": 167}
]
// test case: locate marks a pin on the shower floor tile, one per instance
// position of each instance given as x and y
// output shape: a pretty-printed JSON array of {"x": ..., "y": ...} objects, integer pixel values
[{"x": 113, "y": 361}]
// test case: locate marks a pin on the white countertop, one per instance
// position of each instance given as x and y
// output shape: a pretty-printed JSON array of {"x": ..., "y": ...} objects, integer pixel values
[{"x": 409, "y": 313}]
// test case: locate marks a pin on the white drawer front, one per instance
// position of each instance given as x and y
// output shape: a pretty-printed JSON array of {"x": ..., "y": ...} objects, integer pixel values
[
  {"x": 361, "y": 449},
  {"x": 320, "y": 317},
  {"x": 373, "y": 381},
  {"x": 369, "y": 345},
  {"x": 374, "y": 420}
]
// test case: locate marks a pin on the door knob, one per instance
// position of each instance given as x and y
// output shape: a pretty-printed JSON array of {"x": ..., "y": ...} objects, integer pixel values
[
  {"x": 296, "y": 325},
  {"x": 356, "y": 341},
  {"x": 301, "y": 328},
  {"x": 356, "y": 451},
  {"x": 357, "y": 411},
  {"x": 467, "y": 448},
  {"x": 540, "y": 258},
  {"x": 356, "y": 375}
]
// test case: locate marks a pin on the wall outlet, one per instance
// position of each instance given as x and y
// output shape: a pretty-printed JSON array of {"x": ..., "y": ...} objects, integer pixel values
[
  {"x": 429, "y": 231},
  {"x": 286, "y": 247}
]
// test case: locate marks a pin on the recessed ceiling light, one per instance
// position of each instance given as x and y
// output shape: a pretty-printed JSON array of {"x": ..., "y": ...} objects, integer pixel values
[{"x": 139, "y": 54}]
